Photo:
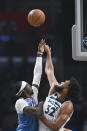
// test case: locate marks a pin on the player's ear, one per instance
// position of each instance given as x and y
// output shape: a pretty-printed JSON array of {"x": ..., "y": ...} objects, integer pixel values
[{"x": 58, "y": 88}]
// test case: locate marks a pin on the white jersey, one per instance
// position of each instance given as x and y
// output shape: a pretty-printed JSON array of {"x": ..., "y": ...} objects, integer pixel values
[
  {"x": 51, "y": 110},
  {"x": 21, "y": 103}
]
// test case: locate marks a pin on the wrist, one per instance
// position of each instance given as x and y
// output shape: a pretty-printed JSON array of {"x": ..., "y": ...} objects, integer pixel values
[
  {"x": 39, "y": 54},
  {"x": 48, "y": 53}
]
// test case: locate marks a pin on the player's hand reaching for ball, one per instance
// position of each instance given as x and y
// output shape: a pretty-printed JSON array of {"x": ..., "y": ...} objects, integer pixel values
[
  {"x": 47, "y": 49},
  {"x": 41, "y": 46}
]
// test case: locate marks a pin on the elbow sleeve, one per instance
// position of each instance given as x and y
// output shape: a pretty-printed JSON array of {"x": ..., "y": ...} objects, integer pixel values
[{"x": 37, "y": 71}]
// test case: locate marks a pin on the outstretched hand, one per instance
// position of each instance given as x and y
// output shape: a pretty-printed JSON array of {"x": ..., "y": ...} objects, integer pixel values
[
  {"x": 41, "y": 46},
  {"x": 47, "y": 49}
]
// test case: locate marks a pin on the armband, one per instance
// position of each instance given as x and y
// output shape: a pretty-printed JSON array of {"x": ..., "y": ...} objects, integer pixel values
[{"x": 39, "y": 53}]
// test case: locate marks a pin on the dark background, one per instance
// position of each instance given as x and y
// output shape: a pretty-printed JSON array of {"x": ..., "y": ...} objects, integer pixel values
[{"x": 18, "y": 48}]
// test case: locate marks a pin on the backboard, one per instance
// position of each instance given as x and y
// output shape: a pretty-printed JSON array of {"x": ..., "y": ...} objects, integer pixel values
[{"x": 79, "y": 42}]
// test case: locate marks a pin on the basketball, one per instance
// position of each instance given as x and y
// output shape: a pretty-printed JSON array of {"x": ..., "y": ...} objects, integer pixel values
[{"x": 36, "y": 17}]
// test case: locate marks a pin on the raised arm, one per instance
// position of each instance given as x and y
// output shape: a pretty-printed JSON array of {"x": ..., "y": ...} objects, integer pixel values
[
  {"x": 36, "y": 111},
  {"x": 38, "y": 65},
  {"x": 49, "y": 69}
]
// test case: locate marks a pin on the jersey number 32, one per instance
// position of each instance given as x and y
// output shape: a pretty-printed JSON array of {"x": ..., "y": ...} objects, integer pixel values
[{"x": 50, "y": 110}]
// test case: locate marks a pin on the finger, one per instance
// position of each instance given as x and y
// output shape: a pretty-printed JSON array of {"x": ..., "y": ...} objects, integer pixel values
[
  {"x": 45, "y": 43},
  {"x": 47, "y": 46},
  {"x": 42, "y": 44},
  {"x": 41, "y": 41}
]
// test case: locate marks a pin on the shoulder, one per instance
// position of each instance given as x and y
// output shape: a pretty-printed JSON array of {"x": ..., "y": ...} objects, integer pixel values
[
  {"x": 19, "y": 101},
  {"x": 68, "y": 106},
  {"x": 20, "y": 104}
]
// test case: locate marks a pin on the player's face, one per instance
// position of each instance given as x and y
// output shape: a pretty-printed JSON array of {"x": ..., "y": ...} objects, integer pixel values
[
  {"x": 28, "y": 91},
  {"x": 65, "y": 83},
  {"x": 65, "y": 86}
]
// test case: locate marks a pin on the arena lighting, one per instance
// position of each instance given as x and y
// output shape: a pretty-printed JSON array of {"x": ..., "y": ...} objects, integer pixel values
[
  {"x": 33, "y": 59},
  {"x": 4, "y": 38},
  {"x": 4, "y": 59},
  {"x": 78, "y": 53},
  {"x": 17, "y": 59},
  {"x": 21, "y": 59}
]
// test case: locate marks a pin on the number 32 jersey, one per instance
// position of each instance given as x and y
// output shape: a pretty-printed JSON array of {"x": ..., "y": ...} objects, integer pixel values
[
  {"x": 51, "y": 107},
  {"x": 51, "y": 110}
]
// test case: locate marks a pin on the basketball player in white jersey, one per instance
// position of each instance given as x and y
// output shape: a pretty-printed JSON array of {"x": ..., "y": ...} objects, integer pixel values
[
  {"x": 28, "y": 97},
  {"x": 58, "y": 106}
]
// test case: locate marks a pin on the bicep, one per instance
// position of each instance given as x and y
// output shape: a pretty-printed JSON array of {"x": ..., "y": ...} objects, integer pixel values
[
  {"x": 62, "y": 118},
  {"x": 65, "y": 113}
]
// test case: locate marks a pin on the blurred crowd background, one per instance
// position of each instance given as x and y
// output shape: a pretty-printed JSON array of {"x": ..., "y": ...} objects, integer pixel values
[{"x": 18, "y": 49}]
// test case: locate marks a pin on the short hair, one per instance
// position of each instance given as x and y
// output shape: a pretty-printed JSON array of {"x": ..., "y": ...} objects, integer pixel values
[{"x": 74, "y": 90}]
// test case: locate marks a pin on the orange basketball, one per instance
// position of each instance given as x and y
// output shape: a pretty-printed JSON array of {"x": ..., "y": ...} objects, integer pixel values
[{"x": 36, "y": 17}]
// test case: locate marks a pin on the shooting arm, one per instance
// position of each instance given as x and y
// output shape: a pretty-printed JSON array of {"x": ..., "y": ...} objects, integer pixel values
[
  {"x": 49, "y": 69},
  {"x": 38, "y": 65}
]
